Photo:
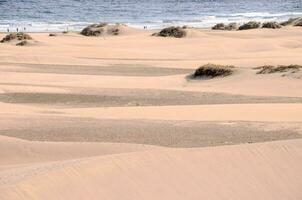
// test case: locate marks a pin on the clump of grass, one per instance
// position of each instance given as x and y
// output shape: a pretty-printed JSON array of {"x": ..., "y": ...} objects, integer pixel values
[
  {"x": 293, "y": 22},
  {"x": 16, "y": 36},
  {"x": 94, "y": 29},
  {"x": 269, "y": 69},
  {"x": 212, "y": 71},
  {"x": 273, "y": 25},
  {"x": 250, "y": 25},
  {"x": 228, "y": 27},
  {"x": 173, "y": 31}
]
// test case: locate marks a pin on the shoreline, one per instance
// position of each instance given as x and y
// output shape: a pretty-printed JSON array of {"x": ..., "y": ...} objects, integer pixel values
[{"x": 141, "y": 27}]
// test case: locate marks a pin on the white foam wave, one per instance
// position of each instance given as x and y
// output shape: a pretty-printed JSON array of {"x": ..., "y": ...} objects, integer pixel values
[{"x": 266, "y": 14}]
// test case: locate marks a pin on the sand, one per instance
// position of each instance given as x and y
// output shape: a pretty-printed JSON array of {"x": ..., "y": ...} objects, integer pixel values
[
  {"x": 254, "y": 171},
  {"x": 117, "y": 117},
  {"x": 168, "y": 133}
]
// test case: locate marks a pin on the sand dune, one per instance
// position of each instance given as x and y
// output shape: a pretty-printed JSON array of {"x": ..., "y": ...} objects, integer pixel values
[
  {"x": 241, "y": 48},
  {"x": 16, "y": 151},
  {"x": 243, "y": 82},
  {"x": 256, "y": 171},
  {"x": 90, "y": 109}
]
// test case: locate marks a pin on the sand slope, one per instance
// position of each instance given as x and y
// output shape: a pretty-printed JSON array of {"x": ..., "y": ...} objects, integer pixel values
[
  {"x": 16, "y": 151},
  {"x": 134, "y": 89},
  {"x": 249, "y": 171}
]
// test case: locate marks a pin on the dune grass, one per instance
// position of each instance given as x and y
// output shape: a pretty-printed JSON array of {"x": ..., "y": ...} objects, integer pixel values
[
  {"x": 269, "y": 69},
  {"x": 250, "y": 25},
  {"x": 212, "y": 71},
  {"x": 272, "y": 25},
  {"x": 228, "y": 27},
  {"x": 16, "y": 36},
  {"x": 293, "y": 22},
  {"x": 173, "y": 31}
]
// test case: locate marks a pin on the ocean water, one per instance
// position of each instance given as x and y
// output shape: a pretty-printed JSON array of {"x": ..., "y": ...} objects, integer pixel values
[{"x": 60, "y": 15}]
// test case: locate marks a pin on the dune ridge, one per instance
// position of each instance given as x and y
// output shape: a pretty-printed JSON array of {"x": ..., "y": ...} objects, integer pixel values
[{"x": 262, "y": 171}]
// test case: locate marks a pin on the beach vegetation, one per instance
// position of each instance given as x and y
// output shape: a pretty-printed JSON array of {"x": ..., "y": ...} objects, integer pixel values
[
  {"x": 94, "y": 29},
  {"x": 173, "y": 31},
  {"x": 273, "y": 25},
  {"x": 250, "y": 25},
  {"x": 293, "y": 22},
  {"x": 212, "y": 71},
  {"x": 16, "y": 36},
  {"x": 228, "y": 27},
  {"x": 269, "y": 69}
]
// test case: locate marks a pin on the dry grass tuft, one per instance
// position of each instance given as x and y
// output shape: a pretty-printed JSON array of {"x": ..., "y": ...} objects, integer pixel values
[
  {"x": 269, "y": 69},
  {"x": 173, "y": 31},
  {"x": 94, "y": 29},
  {"x": 273, "y": 25},
  {"x": 228, "y": 27},
  {"x": 293, "y": 22},
  {"x": 212, "y": 71},
  {"x": 250, "y": 25},
  {"x": 16, "y": 36}
]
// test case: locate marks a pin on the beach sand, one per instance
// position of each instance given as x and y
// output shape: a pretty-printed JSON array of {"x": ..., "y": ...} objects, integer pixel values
[{"x": 118, "y": 117}]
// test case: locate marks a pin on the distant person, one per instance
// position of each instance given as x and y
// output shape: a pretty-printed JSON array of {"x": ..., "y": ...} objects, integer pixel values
[
  {"x": 17, "y": 30},
  {"x": 8, "y": 30},
  {"x": 24, "y": 29}
]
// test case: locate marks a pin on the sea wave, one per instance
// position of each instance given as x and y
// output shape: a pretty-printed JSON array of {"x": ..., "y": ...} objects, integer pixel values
[
  {"x": 265, "y": 14},
  {"x": 41, "y": 15}
]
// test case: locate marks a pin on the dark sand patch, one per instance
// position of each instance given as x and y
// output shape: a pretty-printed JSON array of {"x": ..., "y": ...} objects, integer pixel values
[
  {"x": 118, "y": 70},
  {"x": 136, "y": 97},
  {"x": 152, "y": 132}
]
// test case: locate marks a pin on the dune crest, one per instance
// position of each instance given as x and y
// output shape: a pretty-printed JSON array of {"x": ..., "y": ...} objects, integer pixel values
[{"x": 250, "y": 171}]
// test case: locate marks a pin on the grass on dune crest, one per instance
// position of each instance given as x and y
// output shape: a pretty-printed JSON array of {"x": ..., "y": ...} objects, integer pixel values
[
  {"x": 16, "y": 36},
  {"x": 173, "y": 31},
  {"x": 269, "y": 69},
  {"x": 213, "y": 70}
]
